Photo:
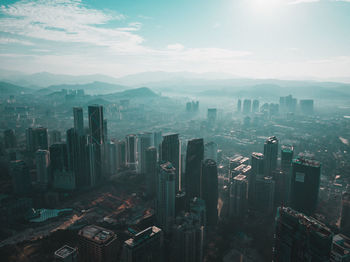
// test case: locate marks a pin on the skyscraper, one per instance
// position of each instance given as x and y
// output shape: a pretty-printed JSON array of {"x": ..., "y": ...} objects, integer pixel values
[
  {"x": 121, "y": 154},
  {"x": 257, "y": 171},
  {"x": 112, "y": 158},
  {"x": 144, "y": 246},
  {"x": 144, "y": 142},
  {"x": 131, "y": 148},
  {"x": 340, "y": 249},
  {"x": 287, "y": 152},
  {"x": 345, "y": 214},
  {"x": 151, "y": 170},
  {"x": 36, "y": 139},
  {"x": 66, "y": 254},
  {"x": 97, "y": 244},
  {"x": 209, "y": 189},
  {"x": 255, "y": 107},
  {"x": 247, "y": 106},
  {"x": 300, "y": 238},
  {"x": 42, "y": 162},
  {"x": 96, "y": 126},
  {"x": 270, "y": 155},
  {"x": 238, "y": 201},
  {"x": 54, "y": 137},
  {"x": 264, "y": 195},
  {"x": 10, "y": 138},
  {"x": 171, "y": 152},
  {"x": 165, "y": 207},
  {"x": 305, "y": 185},
  {"x": 194, "y": 157},
  {"x": 211, "y": 116},
  {"x": 239, "y": 105},
  {"x": 21, "y": 179},
  {"x": 78, "y": 120},
  {"x": 282, "y": 187},
  {"x": 307, "y": 106}
]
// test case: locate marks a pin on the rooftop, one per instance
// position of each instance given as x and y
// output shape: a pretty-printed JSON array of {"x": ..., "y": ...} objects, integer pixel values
[
  {"x": 271, "y": 140},
  {"x": 240, "y": 177},
  {"x": 64, "y": 251},
  {"x": 142, "y": 236},
  {"x": 258, "y": 155},
  {"x": 287, "y": 148},
  {"x": 341, "y": 245},
  {"x": 306, "y": 162},
  {"x": 96, "y": 234}
]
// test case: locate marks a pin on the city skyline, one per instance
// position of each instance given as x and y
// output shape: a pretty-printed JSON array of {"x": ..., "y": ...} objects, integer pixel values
[{"x": 296, "y": 39}]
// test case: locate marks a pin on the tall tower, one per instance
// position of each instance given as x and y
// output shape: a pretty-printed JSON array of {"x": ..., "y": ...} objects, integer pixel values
[
  {"x": 238, "y": 196},
  {"x": 144, "y": 141},
  {"x": 210, "y": 151},
  {"x": 165, "y": 207},
  {"x": 121, "y": 154},
  {"x": 131, "y": 148},
  {"x": 37, "y": 139},
  {"x": 171, "y": 149},
  {"x": 194, "y": 157},
  {"x": 286, "y": 157},
  {"x": 239, "y": 105},
  {"x": 305, "y": 185},
  {"x": 151, "y": 170},
  {"x": 42, "y": 161},
  {"x": 21, "y": 179},
  {"x": 345, "y": 214},
  {"x": 255, "y": 107},
  {"x": 270, "y": 155},
  {"x": 96, "y": 126},
  {"x": 209, "y": 189},
  {"x": 78, "y": 120},
  {"x": 247, "y": 106},
  {"x": 257, "y": 171}
]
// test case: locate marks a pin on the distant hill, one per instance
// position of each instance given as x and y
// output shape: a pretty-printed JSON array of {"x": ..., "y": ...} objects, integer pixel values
[
  {"x": 142, "y": 92},
  {"x": 10, "y": 89}
]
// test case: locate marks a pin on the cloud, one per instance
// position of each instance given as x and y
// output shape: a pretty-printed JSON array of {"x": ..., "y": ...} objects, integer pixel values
[
  {"x": 176, "y": 47},
  {"x": 68, "y": 21},
  {"x": 295, "y": 2},
  {"x": 6, "y": 40}
]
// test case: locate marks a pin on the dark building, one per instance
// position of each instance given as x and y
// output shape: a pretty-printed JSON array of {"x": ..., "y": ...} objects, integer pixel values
[
  {"x": 144, "y": 142},
  {"x": 37, "y": 139},
  {"x": 211, "y": 116},
  {"x": 151, "y": 170},
  {"x": 96, "y": 126},
  {"x": 10, "y": 140},
  {"x": 59, "y": 157},
  {"x": 54, "y": 137},
  {"x": 209, "y": 190},
  {"x": 340, "y": 249},
  {"x": 257, "y": 171},
  {"x": 305, "y": 185},
  {"x": 78, "y": 120},
  {"x": 264, "y": 195},
  {"x": 282, "y": 187},
  {"x": 238, "y": 196},
  {"x": 97, "y": 244},
  {"x": 270, "y": 155},
  {"x": 239, "y": 105},
  {"x": 121, "y": 154},
  {"x": 180, "y": 202},
  {"x": 345, "y": 214},
  {"x": 21, "y": 179},
  {"x": 286, "y": 157},
  {"x": 144, "y": 246},
  {"x": 194, "y": 157},
  {"x": 300, "y": 238},
  {"x": 131, "y": 149},
  {"x": 171, "y": 149}
]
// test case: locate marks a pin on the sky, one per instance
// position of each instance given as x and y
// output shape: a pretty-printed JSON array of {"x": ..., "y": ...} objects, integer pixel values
[{"x": 289, "y": 39}]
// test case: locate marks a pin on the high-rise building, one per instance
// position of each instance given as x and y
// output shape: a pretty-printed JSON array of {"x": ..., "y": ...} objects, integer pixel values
[
  {"x": 345, "y": 214},
  {"x": 171, "y": 149},
  {"x": 54, "y": 137},
  {"x": 121, "y": 154},
  {"x": 112, "y": 157},
  {"x": 305, "y": 185},
  {"x": 340, "y": 249},
  {"x": 42, "y": 162},
  {"x": 238, "y": 196},
  {"x": 211, "y": 116},
  {"x": 270, "y": 155},
  {"x": 247, "y": 106},
  {"x": 209, "y": 190},
  {"x": 151, "y": 170},
  {"x": 300, "y": 238},
  {"x": 198, "y": 208},
  {"x": 165, "y": 207},
  {"x": 21, "y": 179},
  {"x": 257, "y": 171},
  {"x": 287, "y": 153},
  {"x": 157, "y": 139},
  {"x": 66, "y": 254},
  {"x": 10, "y": 138},
  {"x": 239, "y": 105},
  {"x": 282, "y": 187},
  {"x": 144, "y": 141},
  {"x": 78, "y": 120},
  {"x": 194, "y": 157},
  {"x": 131, "y": 149},
  {"x": 181, "y": 203},
  {"x": 255, "y": 107},
  {"x": 97, "y": 244},
  {"x": 264, "y": 195},
  {"x": 96, "y": 127},
  {"x": 307, "y": 106},
  {"x": 188, "y": 239},
  {"x": 210, "y": 151},
  {"x": 288, "y": 104},
  {"x": 36, "y": 139},
  {"x": 144, "y": 246}
]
